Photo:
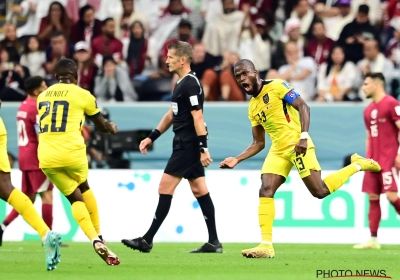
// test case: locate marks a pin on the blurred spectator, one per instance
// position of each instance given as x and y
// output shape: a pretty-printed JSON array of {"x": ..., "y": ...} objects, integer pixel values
[
  {"x": 11, "y": 42},
  {"x": 230, "y": 91},
  {"x": 393, "y": 48},
  {"x": 58, "y": 49},
  {"x": 336, "y": 77},
  {"x": 200, "y": 60},
  {"x": 87, "y": 27},
  {"x": 184, "y": 34},
  {"x": 137, "y": 49},
  {"x": 162, "y": 71},
  {"x": 374, "y": 61},
  {"x": 223, "y": 34},
  {"x": 356, "y": 33},
  {"x": 300, "y": 71},
  {"x": 33, "y": 57},
  {"x": 210, "y": 9},
  {"x": 257, "y": 8},
  {"x": 107, "y": 44},
  {"x": 125, "y": 20},
  {"x": 106, "y": 8},
  {"x": 257, "y": 48},
  {"x": 113, "y": 83},
  {"x": 319, "y": 47},
  {"x": 305, "y": 14},
  {"x": 12, "y": 76},
  {"x": 87, "y": 69},
  {"x": 376, "y": 10},
  {"x": 292, "y": 34},
  {"x": 34, "y": 10},
  {"x": 56, "y": 20},
  {"x": 334, "y": 25},
  {"x": 274, "y": 27}
]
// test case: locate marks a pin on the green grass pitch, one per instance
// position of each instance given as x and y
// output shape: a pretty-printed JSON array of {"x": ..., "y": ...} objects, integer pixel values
[{"x": 25, "y": 260}]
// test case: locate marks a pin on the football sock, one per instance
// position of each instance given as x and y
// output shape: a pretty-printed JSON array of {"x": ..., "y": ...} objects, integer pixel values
[
  {"x": 164, "y": 203},
  {"x": 82, "y": 217},
  {"x": 396, "y": 205},
  {"x": 11, "y": 217},
  {"x": 266, "y": 215},
  {"x": 374, "y": 217},
  {"x": 335, "y": 180},
  {"x": 23, "y": 205},
  {"x": 91, "y": 205},
  {"x": 207, "y": 207},
  {"x": 47, "y": 214}
]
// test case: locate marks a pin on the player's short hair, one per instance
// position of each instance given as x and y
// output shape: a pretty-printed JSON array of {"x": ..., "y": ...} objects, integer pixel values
[
  {"x": 182, "y": 49},
  {"x": 246, "y": 62},
  {"x": 33, "y": 83},
  {"x": 66, "y": 67},
  {"x": 376, "y": 76}
]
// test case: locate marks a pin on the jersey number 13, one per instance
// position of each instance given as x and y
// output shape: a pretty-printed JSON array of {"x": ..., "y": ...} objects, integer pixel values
[{"x": 57, "y": 105}]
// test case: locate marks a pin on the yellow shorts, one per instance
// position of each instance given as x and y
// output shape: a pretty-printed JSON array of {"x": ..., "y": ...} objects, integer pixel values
[
  {"x": 282, "y": 163},
  {"x": 68, "y": 178},
  {"x": 4, "y": 161}
]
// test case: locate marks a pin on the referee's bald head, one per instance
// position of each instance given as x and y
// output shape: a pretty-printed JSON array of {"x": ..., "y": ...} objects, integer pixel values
[{"x": 66, "y": 69}]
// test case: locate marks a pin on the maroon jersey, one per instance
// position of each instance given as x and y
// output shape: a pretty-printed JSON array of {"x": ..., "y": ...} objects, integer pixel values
[
  {"x": 380, "y": 119},
  {"x": 27, "y": 137}
]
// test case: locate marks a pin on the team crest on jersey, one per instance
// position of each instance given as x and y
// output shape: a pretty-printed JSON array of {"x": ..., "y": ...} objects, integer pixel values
[
  {"x": 266, "y": 98},
  {"x": 286, "y": 85},
  {"x": 174, "y": 106}
]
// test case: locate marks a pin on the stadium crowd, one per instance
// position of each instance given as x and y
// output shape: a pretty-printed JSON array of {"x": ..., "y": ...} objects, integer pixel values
[{"x": 323, "y": 48}]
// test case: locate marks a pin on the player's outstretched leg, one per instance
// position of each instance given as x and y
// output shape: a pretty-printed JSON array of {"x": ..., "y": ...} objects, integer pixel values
[
  {"x": 266, "y": 215},
  {"x": 200, "y": 191},
  {"x": 23, "y": 205},
  {"x": 166, "y": 189}
]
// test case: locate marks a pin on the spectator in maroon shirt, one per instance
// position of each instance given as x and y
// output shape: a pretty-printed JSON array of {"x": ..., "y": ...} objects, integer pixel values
[
  {"x": 87, "y": 27},
  {"x": 56, "y": 20},
  {"x": 137, "y": 49},
  {"x": 58, "y": 49},
  {"x": 319, "y": 47},
  {"x": 87, "y": 69},
  {"x": 107, "y": 44},
  {"x": 258, "y": 7}
]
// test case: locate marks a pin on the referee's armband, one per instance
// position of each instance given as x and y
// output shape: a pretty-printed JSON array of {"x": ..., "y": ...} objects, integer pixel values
[{"x": 291, "y": 96}]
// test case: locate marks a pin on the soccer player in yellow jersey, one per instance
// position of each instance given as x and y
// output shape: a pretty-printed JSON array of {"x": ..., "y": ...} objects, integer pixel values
[
  {"x": 275, "y": 108},
  {"x": 62, "y": 152},
  {"x": 23, "y": 205}
]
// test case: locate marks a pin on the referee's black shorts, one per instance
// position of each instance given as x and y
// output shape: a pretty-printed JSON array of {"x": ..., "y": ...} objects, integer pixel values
[{"x": 185, "y": 159}]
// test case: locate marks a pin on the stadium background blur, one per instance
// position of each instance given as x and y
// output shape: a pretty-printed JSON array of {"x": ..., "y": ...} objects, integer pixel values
[{"x": 321, "y": 47}]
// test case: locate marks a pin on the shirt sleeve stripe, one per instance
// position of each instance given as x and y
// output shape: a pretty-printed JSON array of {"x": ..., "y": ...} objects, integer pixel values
[
  {"x": 95, "y": 115},
  {"x": 197, "y": 80}
]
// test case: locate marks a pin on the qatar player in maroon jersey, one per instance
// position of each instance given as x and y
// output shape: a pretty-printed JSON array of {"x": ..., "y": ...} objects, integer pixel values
[
  {"x": 33, "y": 179},
  {"x": 382, "y": 120}
]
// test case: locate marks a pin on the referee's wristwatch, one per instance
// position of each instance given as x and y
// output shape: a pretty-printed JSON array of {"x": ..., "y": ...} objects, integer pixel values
[{"x": 203, "y": 150}]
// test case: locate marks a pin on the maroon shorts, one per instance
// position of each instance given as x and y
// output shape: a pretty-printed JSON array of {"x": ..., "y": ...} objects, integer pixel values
[
  {"x": 380, "y": 182},
  {"x": 34, "y": 181}
]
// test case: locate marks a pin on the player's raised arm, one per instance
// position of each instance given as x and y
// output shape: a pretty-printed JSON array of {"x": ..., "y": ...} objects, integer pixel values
[
  {"x": 255, "y": 147},
  {"x": 300, "y": 105}
]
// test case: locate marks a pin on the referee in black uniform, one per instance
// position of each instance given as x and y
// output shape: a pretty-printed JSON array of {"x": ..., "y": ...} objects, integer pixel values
[{"x": 190, "y": 153}]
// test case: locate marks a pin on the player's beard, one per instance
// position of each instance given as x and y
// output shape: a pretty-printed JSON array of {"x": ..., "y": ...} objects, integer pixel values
[{"x": 253, "y": 87}]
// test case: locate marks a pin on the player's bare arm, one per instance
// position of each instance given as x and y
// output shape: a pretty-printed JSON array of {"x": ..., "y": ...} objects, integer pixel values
[
  {"x": 104, "y": 125},
  {"x": 255, "y": 147},
  {"x": 300, "y": 105},
  {"x": 163, "y": 126},
  {"x": 201, "y": 131}
]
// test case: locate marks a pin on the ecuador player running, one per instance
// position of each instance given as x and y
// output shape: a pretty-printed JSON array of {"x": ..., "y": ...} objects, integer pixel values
[
  {"x": 275, "y": 108},
  {"x": 62, "y": 151}
]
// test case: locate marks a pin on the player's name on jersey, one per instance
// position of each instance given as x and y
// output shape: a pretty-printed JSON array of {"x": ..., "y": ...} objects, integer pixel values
[{"x": 56, "y": 93}]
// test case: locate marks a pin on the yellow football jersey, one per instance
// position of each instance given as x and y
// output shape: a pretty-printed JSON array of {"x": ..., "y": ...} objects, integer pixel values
[
  {"x": 3, "y": 130},
  {"x": 271, "y": 108},
  {"x": 62, "y": 109}
]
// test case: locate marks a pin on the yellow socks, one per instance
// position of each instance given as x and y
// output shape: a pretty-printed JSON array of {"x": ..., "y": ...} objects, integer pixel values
[
  {"x": 266, "y": 215},
  {"x": 81, "y": 215},
  {"x": 23, "y": 205},
  {"x": 91, "y": 205},
  {"x": 335, "y": 180}
]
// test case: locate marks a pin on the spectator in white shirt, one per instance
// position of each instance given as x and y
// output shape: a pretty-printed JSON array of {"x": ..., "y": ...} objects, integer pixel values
[{"x": 33, "y": 57}]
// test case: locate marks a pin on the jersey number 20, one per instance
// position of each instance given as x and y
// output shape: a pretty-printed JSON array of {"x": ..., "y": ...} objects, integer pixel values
[{"x": 56, "y": 105}]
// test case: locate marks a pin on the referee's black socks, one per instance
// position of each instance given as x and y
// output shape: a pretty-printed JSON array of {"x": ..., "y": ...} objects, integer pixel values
[
  {"x": 164, "y": 203},
  {"x": 207, "y": 207}
]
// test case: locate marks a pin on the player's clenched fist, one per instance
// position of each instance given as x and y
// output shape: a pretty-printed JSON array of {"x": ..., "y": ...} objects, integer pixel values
[
  {"x": 205, "y": 158},
  {"x": 113, "y": 128},
  {"x": 229, "y": 162},
  {"x": 144, "y": 145}
]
